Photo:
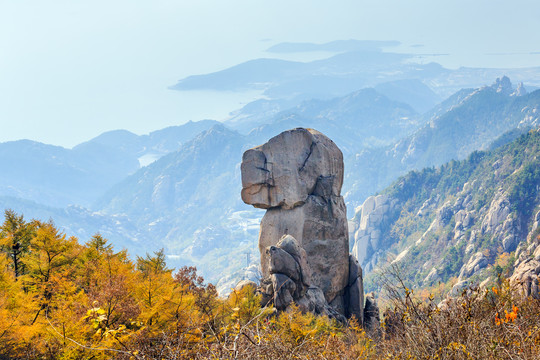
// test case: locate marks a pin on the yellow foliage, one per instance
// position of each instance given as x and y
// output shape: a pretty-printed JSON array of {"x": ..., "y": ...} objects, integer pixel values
[{"x": 73, "y": 301}]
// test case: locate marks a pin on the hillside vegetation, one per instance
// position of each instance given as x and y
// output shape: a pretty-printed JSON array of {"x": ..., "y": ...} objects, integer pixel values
[
  {"x": 461, "y": 223},
  {"x": 60, "y": 299}
]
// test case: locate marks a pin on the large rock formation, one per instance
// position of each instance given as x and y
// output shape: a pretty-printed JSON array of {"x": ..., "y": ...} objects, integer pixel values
[{"x": 297, "y": 176}]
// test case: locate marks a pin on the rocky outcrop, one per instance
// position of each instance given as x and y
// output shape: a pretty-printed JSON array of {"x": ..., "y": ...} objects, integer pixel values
[
  {"x": 469, "y": 225},
  {"x": 297, "y": 176},
  {"x": 503, "y": 85},
  {"x": 466, "y": 220},
  {"x": 290, "y": 167},
  {"x": 520, "y": 90},
  {"x": 372, "y": 316},
  {"x": 501, "y": 223},
  {"x": 536, "y": 224},
  {"x": 243, "y": 284},
  {"x": 321, "y": 227},
  {"x": 476, "y": 262},
  {"x": 526, "y": 276},
  {"x": 461, "y": 210},
  {"x": 371, "y": 218},
  {"x": 290, "y": 280},
  {"x": 354, "y": 293}
]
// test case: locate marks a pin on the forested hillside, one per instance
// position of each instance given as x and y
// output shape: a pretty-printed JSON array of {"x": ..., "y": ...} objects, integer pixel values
[
  {"x": 61, "y": 299},
  {"x": 460, "y": 223}
]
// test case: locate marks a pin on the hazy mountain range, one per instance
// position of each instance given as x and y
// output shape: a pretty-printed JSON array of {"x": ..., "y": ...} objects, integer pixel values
[
  {"x": 469, "y": 120},
  {"x": 178, "y": 188}
]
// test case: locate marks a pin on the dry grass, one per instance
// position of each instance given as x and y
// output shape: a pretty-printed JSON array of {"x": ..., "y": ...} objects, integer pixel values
[
  {"x": 491, "y": 323},
  {"x": 479, "y": 324}
]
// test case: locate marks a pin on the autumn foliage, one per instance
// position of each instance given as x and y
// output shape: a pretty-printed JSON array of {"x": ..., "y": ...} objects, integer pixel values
[{"x": 60, "y": 299}]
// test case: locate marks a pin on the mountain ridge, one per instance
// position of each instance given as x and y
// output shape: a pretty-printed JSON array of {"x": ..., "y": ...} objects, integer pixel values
[
  {"x": 468, "y": 212},
  {"x": 472, "y": 121}
]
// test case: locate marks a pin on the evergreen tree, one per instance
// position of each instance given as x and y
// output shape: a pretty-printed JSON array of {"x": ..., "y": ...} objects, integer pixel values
[{"x": 15, "y": 236}]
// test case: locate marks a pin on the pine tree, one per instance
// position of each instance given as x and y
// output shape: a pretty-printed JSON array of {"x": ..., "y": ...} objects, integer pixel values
[{"x": 15, "y": 236}]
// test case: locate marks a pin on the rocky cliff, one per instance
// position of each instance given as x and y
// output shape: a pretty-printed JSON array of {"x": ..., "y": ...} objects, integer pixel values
[
  {"x": 371, "y": 219},
  {"x": 526, "y": 276},
  {"x": 462, "y": 222}
]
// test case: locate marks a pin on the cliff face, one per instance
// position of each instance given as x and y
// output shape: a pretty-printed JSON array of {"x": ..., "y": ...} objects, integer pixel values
[
  {"x": 527, "y": 265},
  {"x": 371, "y": 220},
  {"x": 467, "y": 220}
]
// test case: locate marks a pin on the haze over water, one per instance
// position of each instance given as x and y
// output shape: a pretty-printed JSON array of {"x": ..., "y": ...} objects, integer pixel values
[{"x": 72, "y": 70}]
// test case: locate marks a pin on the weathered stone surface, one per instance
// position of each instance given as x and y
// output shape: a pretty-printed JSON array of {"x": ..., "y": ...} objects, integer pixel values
[
  {"x": 290, "y": 245},
  {"x": 370, "y": 220},
  {"x": 281, "y": 262},
  {"x": 444, "y": 214},
  {"x": 266, "y": 290},
  {"x": 303, "y": 239},
  {"x": 287, "y": 264},
  {"x": 320, "y": 226},
  {"x": 502, "y": 224},
  {"x": 297, "y": 176},
  {"x": 497, "y": 213},
  {"x": 520, "y": 90},
  {"x": 535, "y": 225},
  {"x": 284, "y": 289},
  {"x": 354, "y": 294},
  {"x": 372, "y": 322},
  {"x": 285, "y": 170},
  {"x": 526, "y": 278},
  {"x": 314, "y": 301},
  {"x": 476, "y": 262}
]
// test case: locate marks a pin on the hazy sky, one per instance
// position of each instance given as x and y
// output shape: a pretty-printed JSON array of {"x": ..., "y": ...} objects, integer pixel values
[{"x": 70, "y": 70}]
